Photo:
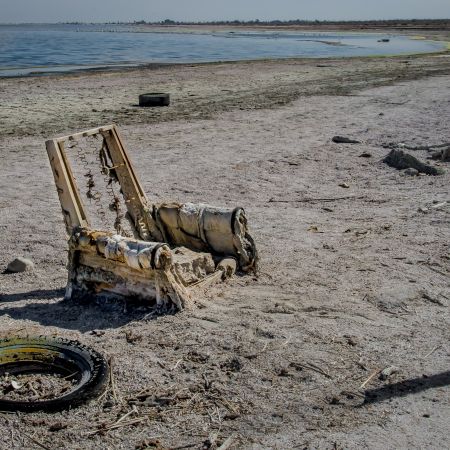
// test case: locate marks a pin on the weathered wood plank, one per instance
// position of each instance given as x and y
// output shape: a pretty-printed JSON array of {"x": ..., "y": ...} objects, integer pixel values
[{"x": 71, "y": 205}]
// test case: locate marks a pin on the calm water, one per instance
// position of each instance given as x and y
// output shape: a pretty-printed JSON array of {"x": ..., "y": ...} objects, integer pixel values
[{"x": 26, "y": 49}]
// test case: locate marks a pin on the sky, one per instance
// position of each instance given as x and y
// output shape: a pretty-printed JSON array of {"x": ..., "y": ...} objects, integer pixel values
[{"x": 19, "y": 11}]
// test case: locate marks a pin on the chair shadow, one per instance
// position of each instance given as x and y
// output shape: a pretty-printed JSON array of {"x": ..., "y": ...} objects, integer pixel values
[
  {"x": 407, "y": 387},
  {"x": 83, "y": 315},
  {"x": 40, "y": 294}
]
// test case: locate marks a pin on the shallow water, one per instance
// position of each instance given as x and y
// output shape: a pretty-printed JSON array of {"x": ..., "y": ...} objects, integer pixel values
[{"x": 28, "y": 49}]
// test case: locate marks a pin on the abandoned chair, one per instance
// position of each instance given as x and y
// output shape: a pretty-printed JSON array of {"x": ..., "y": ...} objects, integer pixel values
[{"x": 160, "y": 254}]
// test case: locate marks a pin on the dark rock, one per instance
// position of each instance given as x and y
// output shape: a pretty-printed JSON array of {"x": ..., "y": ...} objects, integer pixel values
[
  {"x": 20, "y": 265},
  {"x": 401, "y": 160},
  {"x": 344, "y": 140}
]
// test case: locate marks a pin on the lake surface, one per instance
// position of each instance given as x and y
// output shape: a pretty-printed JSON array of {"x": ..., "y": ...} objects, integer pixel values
[{"x": 31, "y": 49}]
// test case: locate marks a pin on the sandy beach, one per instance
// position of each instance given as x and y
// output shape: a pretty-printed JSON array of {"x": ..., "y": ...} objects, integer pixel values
[{"x": 355, "y": 261}]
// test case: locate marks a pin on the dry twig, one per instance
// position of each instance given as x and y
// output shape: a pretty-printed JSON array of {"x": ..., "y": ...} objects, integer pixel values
[{"x": 371, "y": 376}]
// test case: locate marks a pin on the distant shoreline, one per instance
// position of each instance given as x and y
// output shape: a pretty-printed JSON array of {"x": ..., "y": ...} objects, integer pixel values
[
  {"x": 69, "y": 68},
  {"x": 435, "y": 29}
]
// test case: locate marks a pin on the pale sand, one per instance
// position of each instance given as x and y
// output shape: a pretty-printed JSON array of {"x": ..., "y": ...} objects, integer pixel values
[{"x": 347, "y": 299}]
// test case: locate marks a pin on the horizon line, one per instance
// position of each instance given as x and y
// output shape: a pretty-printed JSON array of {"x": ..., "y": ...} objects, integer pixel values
[{"x": 231, "y": 22}]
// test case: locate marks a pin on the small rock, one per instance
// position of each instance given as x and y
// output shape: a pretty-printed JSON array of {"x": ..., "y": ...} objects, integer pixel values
[
  {"x": 154, "y": 444},
  {"x": 400, "y": 161},
  {"x": 133, "y": 338},
  {"x": 344, "y": 140},
  {"x": 108, "y": 405},
  {"x": 446, "y": 154},
  {"x": 20, "y": 265},
  {"x": 411, "y": 172},
  {"x": 423, "y": 210},
  {"x": 284, "y": 372},
  {"x": 15, "y": 385},
  {"x": 333, "y": 401},
  {"x": 344, "y": 185},
  {"x": 439, "y": 205},
  {"x": 365, "y": 155},
  {"x": 436, "y": 155},
  {"x": 387, "y": 372},
  {"x": 57, "y": 426},
  {"x": 351, "y": 340}
]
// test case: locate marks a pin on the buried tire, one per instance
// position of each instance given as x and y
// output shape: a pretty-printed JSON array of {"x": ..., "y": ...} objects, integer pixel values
[
  {"x": 154, "y": 99},
  {"x": 84, "y": 371}
]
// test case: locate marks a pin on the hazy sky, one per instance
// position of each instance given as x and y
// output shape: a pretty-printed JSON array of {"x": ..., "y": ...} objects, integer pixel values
[{"x": 202, "y": 10}]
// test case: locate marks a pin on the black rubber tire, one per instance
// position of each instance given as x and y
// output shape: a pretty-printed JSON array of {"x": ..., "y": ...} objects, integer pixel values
[
  {"x": 59, "y": 356},
  {"x": 154, "y": 99}
]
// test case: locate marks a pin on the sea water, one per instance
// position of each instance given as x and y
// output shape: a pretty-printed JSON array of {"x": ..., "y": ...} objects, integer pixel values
[{"x": 38, "y": 49}]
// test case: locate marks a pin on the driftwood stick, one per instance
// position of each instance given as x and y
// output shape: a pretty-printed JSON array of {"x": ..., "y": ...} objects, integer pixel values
[
  {"x": 432, "y": 350},
  {"x": 133, "y": 410},
  {"x": 427, "y": 147},
  {"x": 112, "y": 380},
  {"x": 31, "y": 438},
  {"x": 371, "y": 376},
  {"x": 306, "y": 200},
  {"x": 312, "y": 367},
  {"x": 228, "y": 442}
]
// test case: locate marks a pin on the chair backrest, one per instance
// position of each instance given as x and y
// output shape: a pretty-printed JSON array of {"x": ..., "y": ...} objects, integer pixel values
[{"x": 96, "y": 183}]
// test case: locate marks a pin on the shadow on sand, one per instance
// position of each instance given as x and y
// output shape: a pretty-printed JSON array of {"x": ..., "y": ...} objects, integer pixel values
[
  {"x": 40, "y": 294},
  {"x": 407, "y": 387},
  {"x": 85, "y": 315}
]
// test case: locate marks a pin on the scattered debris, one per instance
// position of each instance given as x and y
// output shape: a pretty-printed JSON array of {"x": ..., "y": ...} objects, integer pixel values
[
  {"x": 400, "y": 160},
  {"x": 344, "y": 140},
  {"x": 20, "y": 265}
]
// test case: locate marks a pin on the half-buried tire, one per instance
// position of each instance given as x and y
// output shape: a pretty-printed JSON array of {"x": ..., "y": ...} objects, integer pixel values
[
  {"x": 83, "y": 371},
  {"x": 154, "y": 99}
]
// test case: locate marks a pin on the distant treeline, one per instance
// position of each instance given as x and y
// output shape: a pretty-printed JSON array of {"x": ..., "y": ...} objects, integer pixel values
[
  {"x": 257, "y": 22},
  {"x": 351, "y": 23}
]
